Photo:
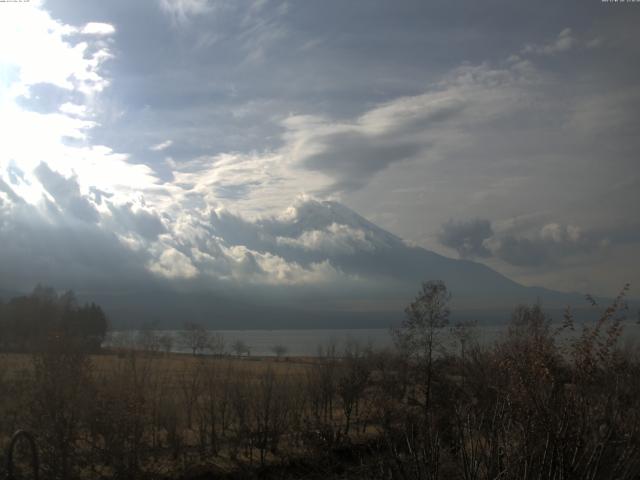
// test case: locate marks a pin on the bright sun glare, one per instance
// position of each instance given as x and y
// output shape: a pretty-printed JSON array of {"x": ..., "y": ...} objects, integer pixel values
[{"x": 37, "y": 50}]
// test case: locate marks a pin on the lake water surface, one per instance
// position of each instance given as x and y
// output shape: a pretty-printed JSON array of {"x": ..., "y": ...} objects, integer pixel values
[{"x": 307, "y": 342}]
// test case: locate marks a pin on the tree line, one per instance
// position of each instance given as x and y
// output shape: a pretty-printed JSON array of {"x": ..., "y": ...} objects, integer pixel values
[
  {"x": 29, "y": 322},
  {"x": 193, "y": 337}
]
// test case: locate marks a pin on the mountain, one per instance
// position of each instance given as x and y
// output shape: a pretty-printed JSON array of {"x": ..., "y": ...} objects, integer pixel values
[{"x": 371, "y": 276}]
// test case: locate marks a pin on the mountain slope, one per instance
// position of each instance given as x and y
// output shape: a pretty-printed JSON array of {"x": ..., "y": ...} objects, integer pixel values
[{"x": 375, "y": 274}]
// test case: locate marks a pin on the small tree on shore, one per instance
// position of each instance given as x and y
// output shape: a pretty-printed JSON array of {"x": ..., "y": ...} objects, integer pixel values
[
  {"x": 195, "y": 337},
  {"x": 166, "y": 342},
  {"x": 216, "y": 344},
  {"x": 279, "y": 351},
  {"x": 240, "y": 348}
]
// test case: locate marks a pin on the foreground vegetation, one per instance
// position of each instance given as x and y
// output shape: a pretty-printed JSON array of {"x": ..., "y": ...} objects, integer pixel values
[
  {"x": 529, "y": 407},
  {"x": 28, "y": 322}
]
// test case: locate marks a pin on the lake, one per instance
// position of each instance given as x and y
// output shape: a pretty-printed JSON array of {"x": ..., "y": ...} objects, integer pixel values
[{"x": 306, "y": 342}]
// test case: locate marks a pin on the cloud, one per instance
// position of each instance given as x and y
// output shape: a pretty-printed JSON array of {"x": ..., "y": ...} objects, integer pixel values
[
  {"x": 265, "y": 251},
  {"x": 595, "y": 42},
  {"x": 96, "y": 28},
  {"x": 401, "y": 132},
  {"x": 564, "y": 42},
  {"x": 342, "y": 120},
  {"x": 173, "y": 264},
  {"x": 41, "y": 246},
  {"x": 49, "y": 105},
  {"x": 352, "y": 158},
  {"x": 70, "y": 239},
  {"x": 180, "y": 11},
  {"x": 414, "y": 128},
  {"x": 551, "y": 244},
  {"x": 40, "y": 49},
  {"x": 467, "y": 237},
  {"x": 73, "y": 109},
  {"x": 258, "y": 183},
  {"x": 66, "y": 194},
  {"x": 130, "y": 219},
  {"x": 335, "y": 240},
  {"x": 161, "y": 146}
]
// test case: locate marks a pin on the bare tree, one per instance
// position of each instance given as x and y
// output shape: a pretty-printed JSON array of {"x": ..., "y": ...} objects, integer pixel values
[
  {"x": 62, "y": 392},
  {"x": 216, "y": 344},
  {"x": 147, "y": 338},
  {"x": 126, "y": 409},
  {"x": 240, "y": 348},
  {"x": 320, "y": 390},
  {"x": 268, "y": 405},
  {"x": 353, "y": 380},
  {"x": 426, "y": 316},
  {"x": 279, "y": 350},
  {"x": 195, "y": 337},
  {"x": 214, "y": 404},
  {"x": 166, "y": 342},
  {"x": 190, "y": 384}
]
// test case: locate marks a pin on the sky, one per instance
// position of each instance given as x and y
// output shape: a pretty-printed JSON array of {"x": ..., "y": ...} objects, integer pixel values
[{"x": 169, "y": 141}]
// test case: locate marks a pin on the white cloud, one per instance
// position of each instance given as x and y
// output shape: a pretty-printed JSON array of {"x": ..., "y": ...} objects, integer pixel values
[
  {"x": 96, "y": 28},
  {"x": 518, "y": 243},
  {"x": 595, "y": 42},
  {"x": 564, "y": 42},
  {"x": 270, "y": 269},
  {"x": 41, "y": 50},
  {"x": 180, "y": 11},
  {"x": 38, "y": 47},
  {"x": 267, "y": 181},
  {"x": 560, "y": 233},
  {"x": 418, "y": 128},
  {"x": 73, "y": 109},
  {"x": 161, "y": 146},
  {"x": 173, "y": 264},
  {"x": 336, "y": 239}
]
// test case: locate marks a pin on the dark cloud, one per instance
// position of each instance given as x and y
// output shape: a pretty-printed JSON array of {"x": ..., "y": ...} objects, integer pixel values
[
  {"x": 526, "y": 252},
  {"x": 4, "y": 187},
  {"x": 467, "y": 237},
  {"x": 552, "y": 245},
  {"x": 549, "y": 245},
  {"x": 47, "y": 98},
  {"x": 66, "y": 193},
  {"x": 140, "y": 222},
  {"x": 352, "y": 158},
  {"x": 234, "y": 191},
  {"x": 38, "y": 247},
  {"x": 274, "y": 58}
]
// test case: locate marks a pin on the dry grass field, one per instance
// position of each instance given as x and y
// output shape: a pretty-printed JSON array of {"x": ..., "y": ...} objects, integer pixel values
[
  {"x": 173, "y": 366},
  {"x": 528, "y": 406}
]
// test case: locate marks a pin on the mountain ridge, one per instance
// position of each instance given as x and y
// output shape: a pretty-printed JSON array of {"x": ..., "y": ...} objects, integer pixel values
[
  {"x": 319, "y": 264},
  {"x": 394, "y": 269}
]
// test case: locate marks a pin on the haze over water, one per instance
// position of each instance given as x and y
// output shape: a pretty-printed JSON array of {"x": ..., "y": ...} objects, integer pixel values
[{"x": 304, "y": 343}]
